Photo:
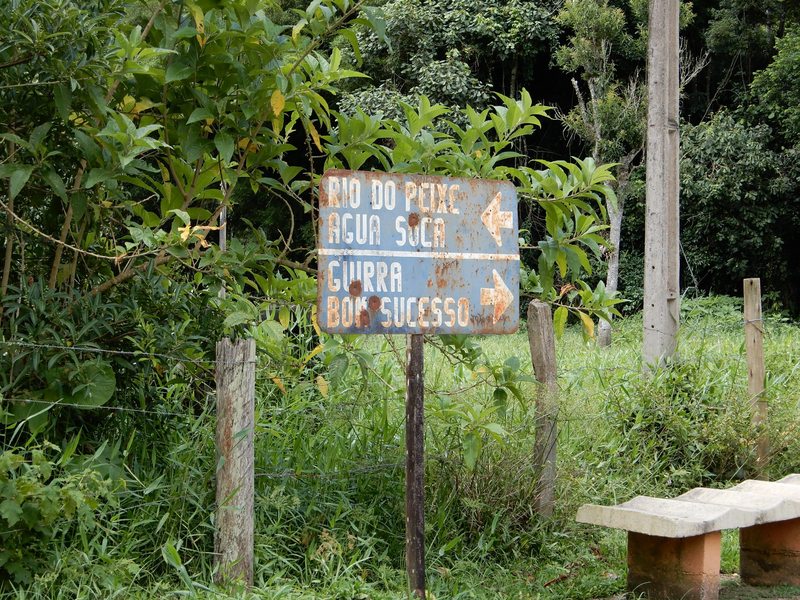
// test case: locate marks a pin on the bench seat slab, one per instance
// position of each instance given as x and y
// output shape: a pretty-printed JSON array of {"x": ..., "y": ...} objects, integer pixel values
[
  {"x": 770, "y": 553},
  {"x": 667, "y": 568}
]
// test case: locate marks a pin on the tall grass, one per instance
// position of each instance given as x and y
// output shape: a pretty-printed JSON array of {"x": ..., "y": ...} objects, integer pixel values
[{"x": 329, "y": 465}]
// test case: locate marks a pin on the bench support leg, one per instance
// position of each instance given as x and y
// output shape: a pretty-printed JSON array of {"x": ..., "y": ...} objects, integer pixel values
[
  {"x": 770, "y": 553},
  {"x": 667, "y": 568}
]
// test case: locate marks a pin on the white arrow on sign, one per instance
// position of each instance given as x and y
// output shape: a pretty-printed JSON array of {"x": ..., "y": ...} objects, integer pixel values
[
  {"x": 496, "y": 219},
  {"x": 499, "y": 296}
]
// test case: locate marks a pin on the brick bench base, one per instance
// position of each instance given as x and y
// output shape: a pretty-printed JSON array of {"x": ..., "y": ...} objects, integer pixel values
[
  {"x": 770, "y": 553},
  {"x": 669, "y": 568}
]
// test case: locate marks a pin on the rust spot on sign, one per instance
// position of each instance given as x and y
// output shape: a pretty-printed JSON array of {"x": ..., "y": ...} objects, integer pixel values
[
  {"x": 413, "y": 219},
  {"x": 374, "y": 303},
  {"x": 355, "y": 287},
  {"x": 324, "y": 199},
  {"x": 441, "y": 270},
  {"x": 363, "y": 318}
]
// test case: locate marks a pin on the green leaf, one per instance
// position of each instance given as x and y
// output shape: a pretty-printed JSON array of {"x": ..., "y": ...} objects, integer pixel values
[
  {"x": 55, "y": 182},
  {"x": 39, "y": 133},
  {"x": 561, "y": 261},
  {"x": 171, "y": 556},
  {"x": 173, "y": 559},
  {"x": 199, "y": 114},
  {"x": 63, "y": 100},
  {"x": 377, "y": 20},
  {"x": 500, "y": 400},
  {"x": 177, "y": 71},
  {"x": 283, "y": 316},
  {"x": 11, "y": 511},
  {"x": 19, "y": 177},
  {"x": 498, "y": 431},
  {"x": 237, "y": 318},
  {"x": 350, "y": 36},
  {"x": 560, "y": 320},
  {"x": 338, "y": 367},
  {"x": 99, "y": 383},
  {"x": 78, "y": 205},
  {"x": 224, "y": 145},
  {"x": 182, "y": 215},
  {"x": 88, "y": 146},
  {"x": 472, "y": 449},
  {"x": 98, "y": 175}
]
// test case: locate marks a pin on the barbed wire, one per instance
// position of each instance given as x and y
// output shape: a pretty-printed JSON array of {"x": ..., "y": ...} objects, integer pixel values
[
  {"x": 337, "y": 474},
  {"x": 355, "y": 468},
  {"x": 96, "y": 350},
  {"x": 393, "y": 348},
  {"x": 129, "y": 409}
]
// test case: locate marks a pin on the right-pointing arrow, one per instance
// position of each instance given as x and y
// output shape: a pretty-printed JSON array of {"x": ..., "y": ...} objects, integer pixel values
[
  {"x": 499, "y": 296},
  {"x": 496, "y": 219}
]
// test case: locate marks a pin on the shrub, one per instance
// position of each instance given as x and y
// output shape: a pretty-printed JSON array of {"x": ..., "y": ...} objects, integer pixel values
[
  {"x": 43, "y": 503},
  {"x": 686, "y": 422}
]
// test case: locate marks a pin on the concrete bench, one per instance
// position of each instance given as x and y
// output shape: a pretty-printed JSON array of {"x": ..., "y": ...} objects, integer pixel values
[{"x": 674, "y": 544}]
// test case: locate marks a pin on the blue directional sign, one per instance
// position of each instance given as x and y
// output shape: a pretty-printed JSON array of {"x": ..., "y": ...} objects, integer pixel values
[{"x": 417, "y": 254}]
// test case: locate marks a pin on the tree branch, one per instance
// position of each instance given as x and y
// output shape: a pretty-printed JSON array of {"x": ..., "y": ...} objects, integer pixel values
[
  {"x": 116, "y": 258},
  {"x": 17, "y": 61}
]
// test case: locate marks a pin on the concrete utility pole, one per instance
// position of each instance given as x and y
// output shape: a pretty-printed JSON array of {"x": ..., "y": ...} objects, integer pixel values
[{"x": 662, "y": 253}]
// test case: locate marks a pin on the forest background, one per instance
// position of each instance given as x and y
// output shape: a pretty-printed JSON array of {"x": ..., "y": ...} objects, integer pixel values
[{"x": 123, "y": 145}]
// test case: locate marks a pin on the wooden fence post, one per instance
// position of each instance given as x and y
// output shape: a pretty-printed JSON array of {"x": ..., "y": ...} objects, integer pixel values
[
  {"x": 233, "y": 539},
  {"x": 541, "y": 338},
  {"x": 756, "y": 372}
]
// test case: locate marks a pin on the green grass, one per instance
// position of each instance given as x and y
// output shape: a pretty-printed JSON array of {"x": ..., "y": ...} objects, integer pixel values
[{"x": 329, "y": 454}]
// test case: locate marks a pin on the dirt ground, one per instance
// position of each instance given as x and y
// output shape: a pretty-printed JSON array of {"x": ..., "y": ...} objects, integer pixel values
[{"x": 732, "y": 589}]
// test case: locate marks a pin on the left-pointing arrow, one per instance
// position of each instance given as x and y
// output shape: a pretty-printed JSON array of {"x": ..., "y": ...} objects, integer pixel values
[
  {"x": 495, "y": 219},
  {"x": 499, "y": 296}
]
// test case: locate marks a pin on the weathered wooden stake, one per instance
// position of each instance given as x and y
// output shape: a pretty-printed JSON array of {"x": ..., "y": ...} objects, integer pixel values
[
  {"x": 415, "y": 465},
  {"x": 756, "y": 374},
  {"x": 661, "y": 254},
  {"x": 541, "y": 339},
  {"x": 233, "y": 539}
]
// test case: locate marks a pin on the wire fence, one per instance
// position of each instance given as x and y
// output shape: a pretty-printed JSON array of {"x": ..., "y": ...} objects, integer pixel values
[
  {"x": 139, "y": 354},
  {"x": 394, "y": 347},
  {"x": 350, "y": 406}
]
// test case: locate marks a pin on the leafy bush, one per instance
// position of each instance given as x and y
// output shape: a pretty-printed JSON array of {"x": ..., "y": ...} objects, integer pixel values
[
  {"x": 739, "y": 205},
  {"x": 63, "y": 356},
  {"x": 775, "y": 91},
  {"x": 43, "y": 501},
  {"x": 727, "y": 227},
  {"x": 684, "y": 422}
]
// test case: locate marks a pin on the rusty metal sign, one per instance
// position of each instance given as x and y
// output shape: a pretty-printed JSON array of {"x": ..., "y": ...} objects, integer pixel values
[{"x": 417, "y": 254}]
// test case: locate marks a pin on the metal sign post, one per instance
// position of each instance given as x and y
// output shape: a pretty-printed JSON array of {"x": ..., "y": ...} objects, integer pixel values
[
  {"x": 416, "y": 254},
  {"x": 415, "y": 464}
]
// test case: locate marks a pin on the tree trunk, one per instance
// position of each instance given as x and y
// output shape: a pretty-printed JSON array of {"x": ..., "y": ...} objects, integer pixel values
[
  {"x": 614, "y": 241},
  {"x": 612, "y": 275},
  {"x": 9, "y": 240},
  {"x": 73, "y": 267}
]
